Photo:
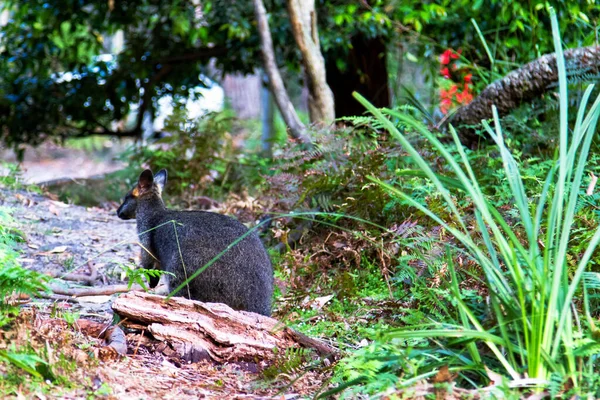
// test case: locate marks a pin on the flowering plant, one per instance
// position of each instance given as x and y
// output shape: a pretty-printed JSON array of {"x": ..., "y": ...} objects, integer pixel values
[{"x": 455, "y": 90}]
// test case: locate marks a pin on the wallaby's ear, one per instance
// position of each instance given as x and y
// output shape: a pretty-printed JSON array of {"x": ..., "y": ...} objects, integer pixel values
[
  {"x": 161, "y": 179},
  {"x": 146, "y": 179}
]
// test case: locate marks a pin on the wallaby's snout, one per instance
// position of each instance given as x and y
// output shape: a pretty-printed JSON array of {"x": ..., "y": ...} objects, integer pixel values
[{"x": 127, "y": 209}]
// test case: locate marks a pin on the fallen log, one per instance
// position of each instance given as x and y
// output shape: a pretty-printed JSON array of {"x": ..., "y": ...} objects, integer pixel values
[{"x": 213, "y": 331}]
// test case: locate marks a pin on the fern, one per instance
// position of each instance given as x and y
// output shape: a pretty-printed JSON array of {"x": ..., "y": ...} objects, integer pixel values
[
  {"x": 13, "y": 277},
  {"x": 290, "y": 362}
]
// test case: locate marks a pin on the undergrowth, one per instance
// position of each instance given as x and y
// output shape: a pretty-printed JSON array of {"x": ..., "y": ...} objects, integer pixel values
[
  {"x": 14, "y": 279},
  {"x": 535, "y": 332}
]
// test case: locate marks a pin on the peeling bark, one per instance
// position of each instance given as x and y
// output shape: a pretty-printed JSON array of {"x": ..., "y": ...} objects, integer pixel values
[
  {"x": 199, "y": 330},
  {"x": 520, "y": 86},
  {"x": 304, "y": 27}
]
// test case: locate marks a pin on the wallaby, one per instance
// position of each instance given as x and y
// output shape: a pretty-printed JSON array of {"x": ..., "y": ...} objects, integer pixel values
[{"x": 241, "y": 278}]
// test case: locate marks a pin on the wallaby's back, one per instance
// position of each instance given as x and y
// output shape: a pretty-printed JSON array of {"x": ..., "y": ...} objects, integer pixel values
[
  {"x": 185, "y": 241},
  {"x": 242, "y": 277}
]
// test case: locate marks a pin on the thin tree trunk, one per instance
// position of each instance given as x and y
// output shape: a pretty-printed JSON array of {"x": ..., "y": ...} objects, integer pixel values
[
  {"x": 267, "y": 116},
  {"x": 520, "y": 86},
  {"x": 288, "y": 113},
  {"x": 304, "y": 27}
]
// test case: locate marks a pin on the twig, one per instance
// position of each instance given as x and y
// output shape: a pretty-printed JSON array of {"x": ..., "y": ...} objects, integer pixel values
[{"x": 87, "y": 279}]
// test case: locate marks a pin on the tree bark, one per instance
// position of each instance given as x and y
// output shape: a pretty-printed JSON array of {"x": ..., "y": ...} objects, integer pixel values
[
  {"x": 520, "y": 86},
  {"x": 267, "y": 118},
  {"x": 214, "y": 331},
  {"x": 304, "y": 27},
  {"x": 288, "y": 113}
]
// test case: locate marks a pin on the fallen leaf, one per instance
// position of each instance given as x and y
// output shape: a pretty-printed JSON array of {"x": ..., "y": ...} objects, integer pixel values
[
  {"x": 58, "y": 249},
  {"x": 444, "y": 375},
  {"x": 495, "y": 378},
  {"x": 33, "y": 246},
  {"x": 25, "y": 201},
  {"x": 58, "y": 204},
  {"x": 319, "y": 302}
]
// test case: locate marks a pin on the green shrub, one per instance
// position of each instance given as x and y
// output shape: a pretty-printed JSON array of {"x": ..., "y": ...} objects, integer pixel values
[{"x": 200, "y": 156}]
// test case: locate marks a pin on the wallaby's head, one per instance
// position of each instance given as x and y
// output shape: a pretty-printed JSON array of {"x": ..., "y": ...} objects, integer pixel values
[{"x": 148, "y": 185}]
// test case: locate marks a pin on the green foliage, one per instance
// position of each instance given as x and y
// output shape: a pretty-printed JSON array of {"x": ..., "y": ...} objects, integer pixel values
[
  {"x": 28, "y": 362},
  {"x": 54, "y": 85},
  {"x": 533, "y": 330},
  {"x": 200, "y": 157},
  {"x": 289, "y": 362},
  {"x": 332, "y": 176},
  {"x": 505, "y": 33},
  {"x": 140, "y": 276},
  {"x": 13, "y": 277},
  {"x": 35, "y": 368},
  {"x": 12, "y": 178}
]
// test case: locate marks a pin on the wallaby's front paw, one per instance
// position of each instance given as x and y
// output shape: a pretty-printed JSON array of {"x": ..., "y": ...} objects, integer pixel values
[{"x": 161, "y": 289}]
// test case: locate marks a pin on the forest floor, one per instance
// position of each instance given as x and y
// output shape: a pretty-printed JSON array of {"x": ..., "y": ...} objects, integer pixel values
[{"x": 61, "y": 238}]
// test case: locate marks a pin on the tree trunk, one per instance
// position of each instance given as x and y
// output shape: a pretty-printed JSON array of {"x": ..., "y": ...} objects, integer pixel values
[
  {"x": 267, "y": 118},
  {"x": 288, "y": 113},
  {"x": 304, "y": 27},
  {"x": 520, "y": 86},
  {"x": 365, "y": 73}
]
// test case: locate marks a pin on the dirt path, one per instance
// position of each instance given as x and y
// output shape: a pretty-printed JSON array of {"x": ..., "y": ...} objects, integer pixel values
[
  {"x": 50, "y": 161},
  {"x": 65, "y": 238}
]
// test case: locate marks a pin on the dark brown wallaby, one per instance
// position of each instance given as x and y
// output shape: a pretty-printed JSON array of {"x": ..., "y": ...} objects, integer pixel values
[{"x": 241, "y": 278}]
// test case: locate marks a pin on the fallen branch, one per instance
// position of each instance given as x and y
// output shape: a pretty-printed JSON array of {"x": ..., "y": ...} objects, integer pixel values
[
  {"x": 88, "y": 279},
  {"x": 94, "y": 291},
  {"x": 520, "y": 86},
  {"x": 211, "y": 330},
  {"x": 56, "y": 297}
]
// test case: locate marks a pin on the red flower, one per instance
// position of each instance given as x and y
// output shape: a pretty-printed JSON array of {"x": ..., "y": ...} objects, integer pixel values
[
  {"x": 445, "y": 72},
  {"x": 468, "y": 78},
  {"x": 465, "y": 97},
  {"x": 445, "y": 105},
  {"x": 447, "y": 94},
  {"x": 447, "y": 55}
]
